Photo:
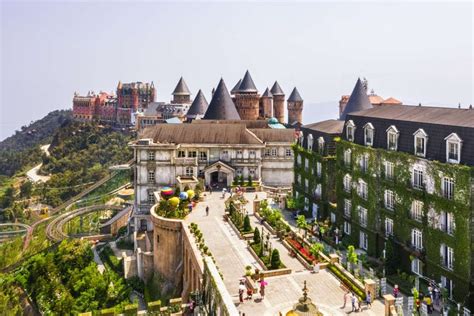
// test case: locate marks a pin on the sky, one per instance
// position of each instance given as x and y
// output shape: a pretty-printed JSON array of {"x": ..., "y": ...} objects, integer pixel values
[{"x": 413, "y": 51}]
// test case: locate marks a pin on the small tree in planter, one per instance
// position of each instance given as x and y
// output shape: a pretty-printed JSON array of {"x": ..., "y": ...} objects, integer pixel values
[
  {"x": 249, "y": 181},
  {"x": 302, "y": 224},
  {"x": 351, "y": 257},
  {"x": 315, "y": 249},
  {"x": 247, "y": 227},
  {"x": 275, "y": 259},
  {"x": 256, "y": 236},
  {"x": 241, "y": 180}
]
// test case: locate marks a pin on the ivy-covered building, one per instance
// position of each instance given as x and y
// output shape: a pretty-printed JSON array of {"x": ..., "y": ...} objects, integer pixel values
[
  {"x": 315, "y": 160},
  {"x": 405, "y": 187}
]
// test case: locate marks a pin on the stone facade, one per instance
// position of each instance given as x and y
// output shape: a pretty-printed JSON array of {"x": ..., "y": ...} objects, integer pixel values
[
  {"x": 295, "y": 112},
  {"x": 279, "y": 108},
  {"x": 247, "y": 104}
]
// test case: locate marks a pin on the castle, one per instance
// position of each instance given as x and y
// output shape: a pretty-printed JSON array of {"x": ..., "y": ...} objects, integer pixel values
[{"x": 134, "y": 103}]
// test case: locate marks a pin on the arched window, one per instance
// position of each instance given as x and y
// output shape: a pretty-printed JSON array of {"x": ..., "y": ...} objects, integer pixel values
[
  {"x": 453, "y": 148},
  {"x": 369, "y": 134},
  {"x": 392, "y": 138},
  {"x": 420, "y": 141}
]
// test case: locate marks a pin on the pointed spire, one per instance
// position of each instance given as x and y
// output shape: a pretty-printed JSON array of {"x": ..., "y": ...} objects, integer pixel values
[
  {"x": 119, "y": 86},
  {"x": 181, "y": 88},
  {"x": 236, "y": 87},
  {"x": 276, "y": 89},
  {"x": 221, "y": 107},
  {"x": 199, "y": 105},
  {"x": 295, "y": 96},
  {"x": 358, "y": 100},
  {"x": 267, "y": 93},
  {"x": 247, "y": 84}
]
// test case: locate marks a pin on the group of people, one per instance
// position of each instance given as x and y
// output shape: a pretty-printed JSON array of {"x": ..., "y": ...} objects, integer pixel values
[
  {"x": 249, "y": 290},
  {"x": 356, "y": 302}
]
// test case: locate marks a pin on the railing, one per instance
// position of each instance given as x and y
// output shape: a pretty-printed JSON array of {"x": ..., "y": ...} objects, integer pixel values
[
  {"x": 186, "y": 161},
  {"x": 245, "y": 160}
]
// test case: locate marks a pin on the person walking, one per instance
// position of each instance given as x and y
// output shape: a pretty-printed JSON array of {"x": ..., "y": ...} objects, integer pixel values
[
  {"x": 207, "y": 210},
  {"x": 353, "y": 301},
  {"x": 396, "y": 291},
  {"x": 368, "y": 300},
  {"x": 346, "y": 296}
]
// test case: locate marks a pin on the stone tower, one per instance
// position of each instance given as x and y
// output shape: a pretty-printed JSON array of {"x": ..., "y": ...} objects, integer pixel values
[
  {"x": 181, "y": 94},
  {"x": 266, "y": 104},
  {"x": 295, "y": 108},
  {"x": 247, "y": 99},
  {"x": 278, "y": 102}
]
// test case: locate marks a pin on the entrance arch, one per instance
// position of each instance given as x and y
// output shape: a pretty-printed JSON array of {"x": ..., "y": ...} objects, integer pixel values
[{"x": 219, "y": 173}]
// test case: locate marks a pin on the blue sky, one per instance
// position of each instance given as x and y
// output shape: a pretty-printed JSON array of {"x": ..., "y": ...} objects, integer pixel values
[{"x": 416, "y": 52}]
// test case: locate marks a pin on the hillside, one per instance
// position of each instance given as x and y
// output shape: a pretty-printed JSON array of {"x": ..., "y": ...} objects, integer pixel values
[{"x": 23, "y": 148}]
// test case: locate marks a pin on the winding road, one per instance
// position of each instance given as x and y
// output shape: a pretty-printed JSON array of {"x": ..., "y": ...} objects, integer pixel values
[{"x": 32, "y": 174}]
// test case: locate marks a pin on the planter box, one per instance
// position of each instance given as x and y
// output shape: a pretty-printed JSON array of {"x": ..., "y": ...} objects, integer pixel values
[
  {"x": 266, "y": 272},
  {"x": 265, "y": 224},
  {"x": 257, "y": 258},
  {"x": 298, "y": 256},
  {"x": 246, "y": 236}
]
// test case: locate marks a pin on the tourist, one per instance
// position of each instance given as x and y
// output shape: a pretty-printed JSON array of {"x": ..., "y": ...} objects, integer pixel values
[
  {"x": 428, "y": 303},
  {"x": 249, "y": 293},
  {"x": 418, "y": 303},
  {"x": 241, "y": 291},
  {"x": 207, "y": 210},
  {"x": 346, "y": 296},
  {"x": 368, "y": 300},
  {"x": 396, "y": 291},
  {"x": 353, "y": 301}
]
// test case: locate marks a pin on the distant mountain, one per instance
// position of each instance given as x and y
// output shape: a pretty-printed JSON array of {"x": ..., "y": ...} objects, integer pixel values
[{"x": 23, "y": 148}]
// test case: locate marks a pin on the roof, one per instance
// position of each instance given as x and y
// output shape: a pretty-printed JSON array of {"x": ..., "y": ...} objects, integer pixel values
[
  {"x": 199, "y": 105},
  {"x": 391, "y": 101},
  {"x": 422, "y": 114},
  {"x": 295, "y": 96},
  {"x": 375, "y": 99},
  {"x": 274, "y": 135},
  {"x": 276, "y": 89},
  {"x": 236, "y": 87},
  {"x": 173, "y": 120},
  {"x": 247, "y": 84},
  {"x": 248, "y": 123},
  {"x": 357, "y": 101},
  {"x": 267, "y": 93},
  {"x": 328, "y": 126},
  {"x": 199, "y": 134},
  {"x": 221, "y": 107},
  {"x": 181, "y": 88}
]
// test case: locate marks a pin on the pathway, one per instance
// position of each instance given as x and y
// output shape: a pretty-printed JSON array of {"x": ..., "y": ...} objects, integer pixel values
[
  {"x": 100, "y": 264},
  {"x": 32, "y": 174},
  {"x": 282, "y": 292}
]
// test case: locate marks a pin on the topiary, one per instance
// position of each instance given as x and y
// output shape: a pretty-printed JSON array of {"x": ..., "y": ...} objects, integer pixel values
[
  {"x": 256, "y": 236},
  {"x": 247, "y": 227},
  {"x": 275, "y": 259}
]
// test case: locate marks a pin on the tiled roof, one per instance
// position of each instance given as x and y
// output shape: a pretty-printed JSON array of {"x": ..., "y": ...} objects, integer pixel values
[
  {"x": 391, "y": 101},
  {"x": 295, "y": 96},
  {"x": 328, "y": 126},
  {"x": 199, "y": 105},
  {"x": 276, "y": 89},
  {"x": 236, "y": 87}
]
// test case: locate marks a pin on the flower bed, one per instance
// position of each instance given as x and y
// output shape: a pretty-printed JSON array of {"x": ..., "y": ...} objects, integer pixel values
[{"x": 301, "y": 250}]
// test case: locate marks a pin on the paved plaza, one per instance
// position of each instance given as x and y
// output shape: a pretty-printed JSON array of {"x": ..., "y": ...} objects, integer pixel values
[{"x": 282, "y": 292}]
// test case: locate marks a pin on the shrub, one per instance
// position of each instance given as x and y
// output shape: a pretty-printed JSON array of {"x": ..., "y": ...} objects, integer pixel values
[
  {"x": 256, "y": 236},
  {"x": 247, "y": 227},
  {"x": 275, "y": 260},
  {"x": 136, "y": 283},
  {"x": 344, "y": 279},
  {"x": 249, "y": 181}
]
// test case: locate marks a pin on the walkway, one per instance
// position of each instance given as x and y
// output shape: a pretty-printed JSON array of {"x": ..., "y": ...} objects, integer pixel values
[
  {"x": 282, "y": 292},
  {"x": 100, "y": 264},
  {"x": 32, "y": 174}
]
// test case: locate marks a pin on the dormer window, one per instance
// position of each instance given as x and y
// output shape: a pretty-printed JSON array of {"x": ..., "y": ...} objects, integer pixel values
[
  {"x": 420, "y": 142},
  {"x": 392, "y": 138},
  {"x": 368, "y": 134},
  {"x": 350, "y": 129},
  {"x": 453, "y": 148},
  {"x": 309, "y": 140},
  {"x": 321, "y": 145}
]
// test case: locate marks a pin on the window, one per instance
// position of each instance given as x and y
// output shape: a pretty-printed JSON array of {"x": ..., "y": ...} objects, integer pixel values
[
  {"x": 252, "y": 172},
  {"x": 416, "y": 266},
  {"x": 151, "y": 155},
  {"x": 318, "y": 169},
  {"x": 417, "y": 238},
  {"x": 274, "y": 152},
  {"x": 203, "y": 156},
  {"x": 363, "y": 190},
  {"x": 189, "y": 171},
  {"x": 448, "y": 188},
  {"x": 433, "y": 218},
  {"x": 420, "y": 142},
  {"x": 201, "y": 173},
  {"x": 239, "y": 153},
  {"x": 350, "y": 129},
  {"x": 150, "y": 197},
  {"x": 298, "y": 160},
  {"x": 363, "y": 241},
  {"x": 317, "y": 191},
  {"x": 389, "y": 199},
  {"x": 181, "y": 154},
  {"x": 388, "y": 227},
  {"x": 306, "y": 185},
  {"x": 309, "y": 141},
  {"x": 418, "y": 179},
  {"x": 252, "y": 154},
  {"x": 364, "y": 163},
  {"x": 347, "y": 157},
  {"x": 347, "y": 183},
  {"x": 225, "y": 155},
  {"x": 389, "y": 167},
  {"x": 300, "y": 138},
  {"x": 446, "y": 256},
  {"x": 192, "y": 154},
  {"x": 453, "y": 148},
  {"x": 446, "y": 222},
  {"x": 268, "y": 152},
  {"x": 151, "y": 176},
  {"x": 416, "y": 211},
  {"x": 299, "y": 179},
  {"x": 321, "y": 145},
  {"x": 306, "y": 164},
  {"x": 368, "y": 134},
  {"x": 448, "y": 285},
  {"x": 392, "y": 138},
  {"x": 347, "y": 207},
  {"x": 288, "y": 152},
  {"x": 333, "y": 217},
  {"x": 362, "y": 216},
  {"x": 347, "y": 228},
  {"x": 238, "y": 171}
]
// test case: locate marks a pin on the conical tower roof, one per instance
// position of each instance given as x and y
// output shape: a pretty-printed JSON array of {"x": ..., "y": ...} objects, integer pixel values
[
  {"x": 221, "y": 107},
  {"x": 199, "y": 105},
  {"x": 247, "y": 84},
  {"x": 267, "y": 93},
  {"x": 236, "y": 87},
  {"x": 181, "y": 88},
  {"x": 295, "y": 96},
  {"x": 276, "y": 89},
  {"x": 358, "y": 100}
]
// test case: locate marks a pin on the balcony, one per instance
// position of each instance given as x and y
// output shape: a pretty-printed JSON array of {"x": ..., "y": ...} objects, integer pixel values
[
  {"x": 245, "y": 161},
  {"x": 186, "y": 161}
]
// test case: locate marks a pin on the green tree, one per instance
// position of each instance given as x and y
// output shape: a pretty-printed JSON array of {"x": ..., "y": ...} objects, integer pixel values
[
  {"x": 302, "y": 224},
  {"x": 247, "y": 227},
  {"x": 256, "y": 236},
  {"x": 275, "y": 259},
  {"x": 25, "y": 189},
  {"x": 316, "y": 248},
  {"x": 352, "y": 256},
  {"x": 8, "y": 197},
  {"x": 249, "y": 181}
]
